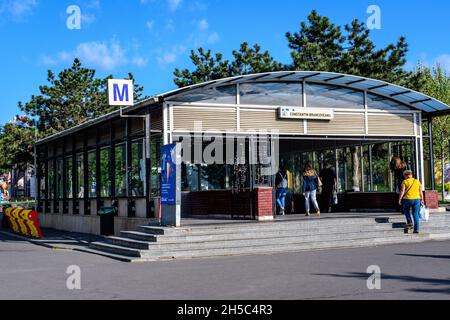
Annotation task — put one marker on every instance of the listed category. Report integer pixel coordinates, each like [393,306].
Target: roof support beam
[400,93]
[286,75]
[355,81]
[420,101]
[334,78]
[310,76]
[378,87]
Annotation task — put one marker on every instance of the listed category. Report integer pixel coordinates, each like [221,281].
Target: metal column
[430,135]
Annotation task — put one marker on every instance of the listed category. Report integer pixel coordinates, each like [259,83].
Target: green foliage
[209,67]
[16,145]
[319,45]
[70,98]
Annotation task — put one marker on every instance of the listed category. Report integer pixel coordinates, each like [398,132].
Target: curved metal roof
[403,95]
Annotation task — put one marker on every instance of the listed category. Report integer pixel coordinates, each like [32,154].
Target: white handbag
[424,213]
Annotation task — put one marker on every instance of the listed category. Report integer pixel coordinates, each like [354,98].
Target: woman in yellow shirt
[411,197]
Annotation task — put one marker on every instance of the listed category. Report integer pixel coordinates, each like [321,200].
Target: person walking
[311,182]
[281,182]
[411,198]
[329,181]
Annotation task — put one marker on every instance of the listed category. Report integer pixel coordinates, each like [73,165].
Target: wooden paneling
[212,119]
[391,124]
[268,120]
[343,123]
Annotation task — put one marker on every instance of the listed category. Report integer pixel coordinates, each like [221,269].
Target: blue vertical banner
[168,174]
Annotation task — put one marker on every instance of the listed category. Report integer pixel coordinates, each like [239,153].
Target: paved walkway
[411,271]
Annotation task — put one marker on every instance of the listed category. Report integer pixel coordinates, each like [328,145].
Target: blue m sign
[120,92]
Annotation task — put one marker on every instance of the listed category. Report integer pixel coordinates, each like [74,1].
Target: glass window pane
[80,176]
[190,177]
[212,177]
[105,183]
[156,143]
[271,93]
[51,179]
[137,168]
[69,180]
[42,182]
[327,96]
[92,167]
[225,94]
[380,167]
[59,178]
[381,103]
[120,170]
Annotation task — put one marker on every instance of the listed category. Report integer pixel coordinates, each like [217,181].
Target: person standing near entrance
[398,167]
[328,177]
[411,197]
[281,182]
[311,182]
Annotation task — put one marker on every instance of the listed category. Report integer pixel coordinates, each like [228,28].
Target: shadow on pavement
[440,285]
[53,239]
[423,255]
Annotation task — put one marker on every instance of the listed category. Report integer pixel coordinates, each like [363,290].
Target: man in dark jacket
[329,184]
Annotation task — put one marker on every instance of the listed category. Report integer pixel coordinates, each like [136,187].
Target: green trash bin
[107,215]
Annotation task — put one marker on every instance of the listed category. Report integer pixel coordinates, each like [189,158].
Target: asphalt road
[415,271]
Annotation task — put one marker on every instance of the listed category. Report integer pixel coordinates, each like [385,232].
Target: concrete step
[263,227]
[294,247]
[115,249]
[250,233]
[129,243]
[281,240]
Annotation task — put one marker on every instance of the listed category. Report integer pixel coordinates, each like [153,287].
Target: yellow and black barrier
[25,222]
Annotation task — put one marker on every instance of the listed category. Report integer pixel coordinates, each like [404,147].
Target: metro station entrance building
[247,126]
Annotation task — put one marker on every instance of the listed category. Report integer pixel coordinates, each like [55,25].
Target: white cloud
[444,61]
[150,24]
[18,9]
[97,54]
[203,25]
[213,38]
[170,25]
[170,56]
[174,4]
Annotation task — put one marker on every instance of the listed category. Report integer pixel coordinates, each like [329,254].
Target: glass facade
[137,168]
[92,174]
[105,182]
[59,178]
[80,176]
[327,96]
[69,177]
[272,93]
[120,170]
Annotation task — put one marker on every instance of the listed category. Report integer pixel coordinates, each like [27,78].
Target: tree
[16,144]
[436,83]
[249,60]
[208,67]
[321,46]
[317,46]
[72,97]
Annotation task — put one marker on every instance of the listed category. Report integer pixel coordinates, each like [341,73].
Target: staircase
[153,243]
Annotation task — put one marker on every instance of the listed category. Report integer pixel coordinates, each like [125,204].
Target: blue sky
[152,37]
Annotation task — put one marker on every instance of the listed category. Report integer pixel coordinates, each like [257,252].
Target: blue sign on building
[168,174]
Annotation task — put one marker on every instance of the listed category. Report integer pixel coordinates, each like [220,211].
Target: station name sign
[306,113]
